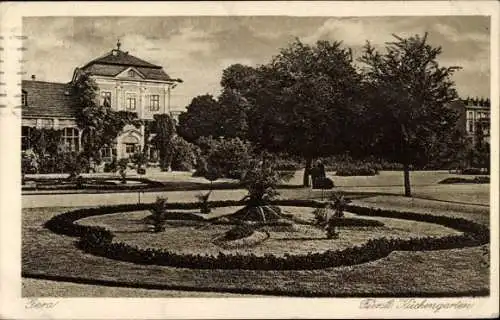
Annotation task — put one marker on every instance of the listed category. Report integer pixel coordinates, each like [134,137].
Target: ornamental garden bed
[101,183]
[192,246]
[201,237]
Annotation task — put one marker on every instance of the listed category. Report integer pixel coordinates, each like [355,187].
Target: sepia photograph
[258,156]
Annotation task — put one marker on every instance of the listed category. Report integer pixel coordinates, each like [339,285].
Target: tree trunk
[406,161]
[406,173]
[307,172]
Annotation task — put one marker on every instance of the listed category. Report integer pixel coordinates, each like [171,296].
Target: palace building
[126,82]
[474,115]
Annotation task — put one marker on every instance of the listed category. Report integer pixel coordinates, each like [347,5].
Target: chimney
[33,77]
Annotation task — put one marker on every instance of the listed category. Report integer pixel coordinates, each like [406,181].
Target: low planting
[453,180]
[357,170]
[473,171]
[98,241]
[336,163]
[89,183]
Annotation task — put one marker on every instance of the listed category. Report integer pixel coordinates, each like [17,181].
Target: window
[154,103]
[70,139]
[470,126]
[131,102]
[109,153]
[25,138]
[470,115]
[106,97]
[24,99]
[130,148]
[131,73]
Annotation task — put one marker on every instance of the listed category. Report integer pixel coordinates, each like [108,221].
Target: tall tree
[305,102]
[408,93]
[164,127]
[201,119]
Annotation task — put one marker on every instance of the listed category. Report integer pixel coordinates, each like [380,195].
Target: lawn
[479,214]
[425,184]
[38,288]
[183,188]
[432,273]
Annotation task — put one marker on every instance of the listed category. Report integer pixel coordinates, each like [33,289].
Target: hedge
[95,184]
[356,171]
[477,180]
[98,241]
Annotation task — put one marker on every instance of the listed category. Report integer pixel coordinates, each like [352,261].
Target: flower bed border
[72,185]
[99,241]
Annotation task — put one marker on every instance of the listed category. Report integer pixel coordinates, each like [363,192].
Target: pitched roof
[118,57]
[48,99]
[117,61]
[114,70]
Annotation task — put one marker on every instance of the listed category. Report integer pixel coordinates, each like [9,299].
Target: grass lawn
[479,214]
[431,273]
[38,288]
[424,185]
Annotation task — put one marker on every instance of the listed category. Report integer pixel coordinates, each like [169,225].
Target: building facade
[126,82]
[474,115]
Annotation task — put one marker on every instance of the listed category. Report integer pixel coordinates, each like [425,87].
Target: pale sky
[197,49]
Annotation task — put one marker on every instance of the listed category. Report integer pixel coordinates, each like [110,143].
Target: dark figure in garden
[319,179]
[321,169]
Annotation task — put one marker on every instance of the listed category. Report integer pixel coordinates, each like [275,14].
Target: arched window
[70,139]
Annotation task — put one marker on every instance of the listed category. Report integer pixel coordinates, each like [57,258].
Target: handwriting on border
[414,304]
[34,303]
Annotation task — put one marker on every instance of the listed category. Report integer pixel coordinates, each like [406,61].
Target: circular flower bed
[102,242]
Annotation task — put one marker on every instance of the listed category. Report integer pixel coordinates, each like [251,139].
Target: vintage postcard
[249,160]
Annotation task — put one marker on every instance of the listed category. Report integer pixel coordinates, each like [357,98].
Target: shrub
[320,216]
[261,180]
[230,157]
[75,164]
[122,169]
[139,159]
[338,203]
[29,162]
[352,170]
[287,164]
[335,163]
[183,154]
[331,228]
[472,171]
[465,180]
[157,214]
[111,166]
